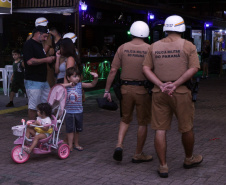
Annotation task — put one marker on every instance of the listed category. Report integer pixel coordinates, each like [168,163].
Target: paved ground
[95,165]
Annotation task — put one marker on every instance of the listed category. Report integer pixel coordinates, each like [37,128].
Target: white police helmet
[174,23]
[71,36]
[139,29]
[41,21]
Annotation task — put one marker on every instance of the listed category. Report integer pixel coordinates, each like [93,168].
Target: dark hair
[16,51]
[68,50]
[45,108]
[71,70]
[41,29]
[55,30]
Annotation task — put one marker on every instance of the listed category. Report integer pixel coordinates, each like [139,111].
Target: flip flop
[79,148]
[27,149]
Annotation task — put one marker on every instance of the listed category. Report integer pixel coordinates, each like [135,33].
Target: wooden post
[77,26]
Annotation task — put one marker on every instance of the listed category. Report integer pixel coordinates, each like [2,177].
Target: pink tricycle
[44,146]
[56,99]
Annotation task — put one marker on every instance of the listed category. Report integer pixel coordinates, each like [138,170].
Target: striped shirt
[74,99]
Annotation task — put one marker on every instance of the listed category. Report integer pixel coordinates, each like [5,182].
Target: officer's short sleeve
[190,50]
[117,61]
[148,59]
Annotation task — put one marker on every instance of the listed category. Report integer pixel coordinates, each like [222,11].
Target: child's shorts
[16,85]
[74,122]
[47,134]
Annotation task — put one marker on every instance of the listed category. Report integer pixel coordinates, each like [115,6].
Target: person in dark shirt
[56,38]
[35,62]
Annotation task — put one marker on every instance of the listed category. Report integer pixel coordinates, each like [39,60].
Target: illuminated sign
[5,6]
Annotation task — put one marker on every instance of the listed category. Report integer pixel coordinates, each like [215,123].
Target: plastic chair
[9,73]
[4,80]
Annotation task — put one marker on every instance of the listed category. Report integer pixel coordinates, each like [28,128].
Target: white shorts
[37,92]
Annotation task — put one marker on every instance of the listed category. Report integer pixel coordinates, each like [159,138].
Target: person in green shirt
[17,78]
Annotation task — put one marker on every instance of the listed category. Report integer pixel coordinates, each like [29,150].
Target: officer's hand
[162,87]
[108,96]
[169,89]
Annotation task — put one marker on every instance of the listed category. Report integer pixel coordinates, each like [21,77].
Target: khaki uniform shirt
[130,57]
[170,58]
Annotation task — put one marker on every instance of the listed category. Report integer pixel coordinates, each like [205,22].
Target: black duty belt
[138,83]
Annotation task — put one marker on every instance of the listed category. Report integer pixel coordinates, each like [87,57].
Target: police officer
[169,63]
[130,57]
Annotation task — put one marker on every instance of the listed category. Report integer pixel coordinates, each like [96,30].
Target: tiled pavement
[95,165]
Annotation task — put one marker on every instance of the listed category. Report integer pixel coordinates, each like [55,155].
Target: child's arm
[71,84]
[93,83]
[37,122]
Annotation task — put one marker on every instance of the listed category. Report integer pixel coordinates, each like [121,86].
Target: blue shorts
[74,122]
[37,92]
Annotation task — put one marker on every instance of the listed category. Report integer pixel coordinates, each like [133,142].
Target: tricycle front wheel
[19,157]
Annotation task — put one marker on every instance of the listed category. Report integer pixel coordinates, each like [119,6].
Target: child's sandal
[27,149]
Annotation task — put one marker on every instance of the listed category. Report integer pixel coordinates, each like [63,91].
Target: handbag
[105,104]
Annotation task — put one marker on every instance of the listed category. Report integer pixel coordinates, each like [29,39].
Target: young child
[74,108]
[44,111]
[17,77]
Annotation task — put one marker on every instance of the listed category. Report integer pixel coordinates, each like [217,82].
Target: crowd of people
[168,64]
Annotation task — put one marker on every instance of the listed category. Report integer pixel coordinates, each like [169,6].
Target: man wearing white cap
[35,61]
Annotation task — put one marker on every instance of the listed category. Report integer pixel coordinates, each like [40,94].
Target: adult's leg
[141,138]
[32,114]
[121,135]
[160,146]
[207,69]
[123,128]
[188,141]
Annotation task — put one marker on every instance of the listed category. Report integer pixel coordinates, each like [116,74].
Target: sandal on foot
[27,149]
[79,148]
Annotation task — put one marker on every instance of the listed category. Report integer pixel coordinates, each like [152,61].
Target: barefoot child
[74,108]
[44,111]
